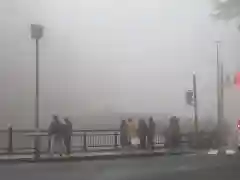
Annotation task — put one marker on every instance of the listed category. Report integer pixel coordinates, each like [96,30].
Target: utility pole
[195,106]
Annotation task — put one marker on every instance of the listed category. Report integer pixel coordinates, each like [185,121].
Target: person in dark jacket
[124,134]
[142,133]
[53,128]
[67,135]
[151,133]
[56,138]
[173,133]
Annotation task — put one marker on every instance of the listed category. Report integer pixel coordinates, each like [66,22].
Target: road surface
[194,167]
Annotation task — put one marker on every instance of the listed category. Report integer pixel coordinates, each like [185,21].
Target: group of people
[139,134]
[60,134]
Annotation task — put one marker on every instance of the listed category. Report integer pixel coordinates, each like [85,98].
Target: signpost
[189,97]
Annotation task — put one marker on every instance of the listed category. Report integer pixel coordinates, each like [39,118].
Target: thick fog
[103,58]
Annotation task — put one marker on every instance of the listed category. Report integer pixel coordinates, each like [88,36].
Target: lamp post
[36,34]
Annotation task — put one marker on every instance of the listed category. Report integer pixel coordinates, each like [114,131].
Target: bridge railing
[16,141]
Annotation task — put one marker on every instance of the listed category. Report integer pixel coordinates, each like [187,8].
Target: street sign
[189,97]
[36,31]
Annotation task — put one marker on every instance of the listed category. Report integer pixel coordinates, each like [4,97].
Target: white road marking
[230,152]
[213,152]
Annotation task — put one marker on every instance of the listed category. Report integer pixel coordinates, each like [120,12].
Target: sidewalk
[93,155]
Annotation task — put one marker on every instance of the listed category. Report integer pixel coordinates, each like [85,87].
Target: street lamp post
[36,34]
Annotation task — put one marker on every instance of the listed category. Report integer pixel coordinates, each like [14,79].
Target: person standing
[142,133]
[67,135]
[173,133]
[124,134]
[151,133]
[132,131]
[56,139]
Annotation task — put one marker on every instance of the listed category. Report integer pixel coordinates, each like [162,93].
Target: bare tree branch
[227,10]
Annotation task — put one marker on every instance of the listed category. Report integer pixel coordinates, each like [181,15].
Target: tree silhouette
[227,9]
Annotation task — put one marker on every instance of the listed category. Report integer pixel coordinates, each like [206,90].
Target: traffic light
[238,124]
[237,79]
[189,97]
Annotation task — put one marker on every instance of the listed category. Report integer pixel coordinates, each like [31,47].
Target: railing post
[85,141]
[115,139]
[36,146]
[10,139]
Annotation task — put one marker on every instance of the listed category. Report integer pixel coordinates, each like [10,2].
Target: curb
[91,158]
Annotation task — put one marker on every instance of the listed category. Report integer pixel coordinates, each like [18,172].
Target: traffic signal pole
[195,104]
[191,99]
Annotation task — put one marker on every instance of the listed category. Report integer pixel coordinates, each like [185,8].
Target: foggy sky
[110,56]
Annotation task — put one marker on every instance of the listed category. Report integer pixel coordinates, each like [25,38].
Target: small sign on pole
[36,31]
[189,97]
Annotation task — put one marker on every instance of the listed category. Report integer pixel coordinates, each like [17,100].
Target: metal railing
[16,141]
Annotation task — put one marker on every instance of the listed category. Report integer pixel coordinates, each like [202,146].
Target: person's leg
[52,146]
[65,141]
[144,142]
[68,145]
[121,140]
[141,142]
[62,146]
[57,145]
[150,142]
[129,140]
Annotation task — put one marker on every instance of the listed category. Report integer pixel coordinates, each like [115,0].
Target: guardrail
[16,141]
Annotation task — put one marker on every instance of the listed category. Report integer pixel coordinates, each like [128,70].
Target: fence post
[85,141]
[10,139]
[115,139]
[36,148]
[37,144]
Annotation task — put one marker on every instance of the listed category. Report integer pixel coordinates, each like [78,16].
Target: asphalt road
[194,167]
